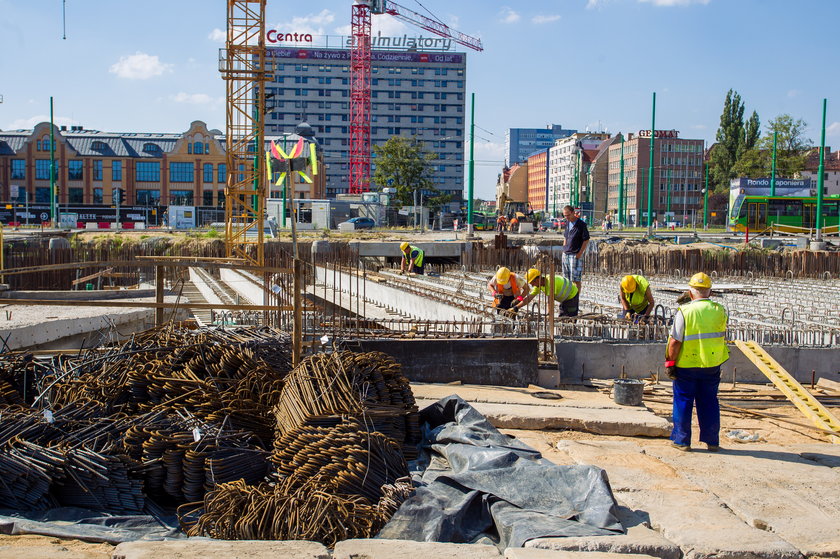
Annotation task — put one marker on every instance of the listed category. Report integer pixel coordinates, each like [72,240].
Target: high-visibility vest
[514,287]
[637,300]
[563,289]
[418,260]
[704,339]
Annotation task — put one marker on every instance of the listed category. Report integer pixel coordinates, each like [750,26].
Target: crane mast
[360,71]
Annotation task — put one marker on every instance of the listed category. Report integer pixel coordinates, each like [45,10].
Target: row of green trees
[741,151]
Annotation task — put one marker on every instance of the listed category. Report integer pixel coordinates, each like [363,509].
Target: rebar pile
[334,483]
[368,386]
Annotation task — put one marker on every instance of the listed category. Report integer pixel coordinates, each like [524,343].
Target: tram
[785,213]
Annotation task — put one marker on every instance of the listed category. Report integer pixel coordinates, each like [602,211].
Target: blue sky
[153,65]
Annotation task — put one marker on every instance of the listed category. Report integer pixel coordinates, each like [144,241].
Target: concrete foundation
[505,362]
[602,360]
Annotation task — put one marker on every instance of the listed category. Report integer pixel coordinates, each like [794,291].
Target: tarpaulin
[474,484]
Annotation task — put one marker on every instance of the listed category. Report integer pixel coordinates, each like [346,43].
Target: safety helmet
[700,280]
[404,246]
[531,275]
[503,276]
[628,284]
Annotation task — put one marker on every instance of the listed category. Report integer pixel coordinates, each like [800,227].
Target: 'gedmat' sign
[660,133]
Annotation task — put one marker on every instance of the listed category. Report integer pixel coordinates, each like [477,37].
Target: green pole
[821,173]
[621,202]
[773,173]
[668,190]
[650,169]
[706,200]
[52,169]
[576,192]
[471,180]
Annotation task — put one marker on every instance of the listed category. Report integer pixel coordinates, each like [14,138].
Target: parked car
[548,225]
[362,222]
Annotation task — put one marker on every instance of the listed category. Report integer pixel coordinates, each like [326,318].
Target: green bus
[791,214]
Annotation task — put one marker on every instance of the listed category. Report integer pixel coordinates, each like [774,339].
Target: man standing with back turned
[577,238]
[696,350]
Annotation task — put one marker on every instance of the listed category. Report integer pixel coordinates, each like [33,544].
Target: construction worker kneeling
[507,288]
[564,292]
[635,297]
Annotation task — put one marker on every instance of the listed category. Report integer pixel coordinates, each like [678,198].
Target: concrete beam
[501,361]
[442,249]
[580,360]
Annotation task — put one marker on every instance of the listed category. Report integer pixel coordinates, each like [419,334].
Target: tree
[734,139]
[404,164]
[791,150]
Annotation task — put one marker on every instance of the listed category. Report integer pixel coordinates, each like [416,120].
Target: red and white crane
[360,70]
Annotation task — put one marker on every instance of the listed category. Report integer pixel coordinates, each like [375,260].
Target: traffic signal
[118,195]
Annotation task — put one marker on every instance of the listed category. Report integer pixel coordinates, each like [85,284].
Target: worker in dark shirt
[577,239]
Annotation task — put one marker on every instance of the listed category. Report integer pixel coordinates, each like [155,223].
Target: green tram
[784,213]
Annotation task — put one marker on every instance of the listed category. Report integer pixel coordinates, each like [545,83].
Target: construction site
[167,395]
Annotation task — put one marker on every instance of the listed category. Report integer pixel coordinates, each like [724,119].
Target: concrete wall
[503,362]
[601,360]
[441,249]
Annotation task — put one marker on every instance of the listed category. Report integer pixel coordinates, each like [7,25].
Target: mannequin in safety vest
[696,349]
[507,288]
[636,297]
[412,259]
[564,292]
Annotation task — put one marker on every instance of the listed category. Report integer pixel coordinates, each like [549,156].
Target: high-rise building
[569,160]
[677,176]
[538,180]
[416,92]
[522,142]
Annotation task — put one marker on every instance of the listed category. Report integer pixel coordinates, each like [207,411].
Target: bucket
[628,391]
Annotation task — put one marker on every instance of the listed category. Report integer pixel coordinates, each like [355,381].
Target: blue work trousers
[696,386]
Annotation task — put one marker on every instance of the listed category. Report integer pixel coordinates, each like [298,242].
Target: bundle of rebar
[363,385]
[333,483]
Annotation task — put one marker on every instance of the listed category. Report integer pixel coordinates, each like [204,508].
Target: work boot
[683,447]
[712,447]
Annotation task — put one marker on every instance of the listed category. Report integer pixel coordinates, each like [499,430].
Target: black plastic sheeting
[89,525]
[475,484]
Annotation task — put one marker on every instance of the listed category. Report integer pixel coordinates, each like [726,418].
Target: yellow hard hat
[404,246]
[531,275]
[503,276]
[628,284]
[700,280]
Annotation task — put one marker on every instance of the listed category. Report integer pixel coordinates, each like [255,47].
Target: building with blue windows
[413,93]
[522,142]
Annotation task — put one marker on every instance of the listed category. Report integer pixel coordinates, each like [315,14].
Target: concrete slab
[639,541]
[403,549]
[654,479]
[203,548]
[795,498]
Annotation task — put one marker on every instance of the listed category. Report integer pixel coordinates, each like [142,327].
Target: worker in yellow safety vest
[696,350]
[412,259]
[564,292]
[635,296]
[506,288]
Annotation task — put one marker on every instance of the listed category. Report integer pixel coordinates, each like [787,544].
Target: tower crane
[360,71]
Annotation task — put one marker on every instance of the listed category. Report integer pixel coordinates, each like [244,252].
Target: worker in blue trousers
[696,349]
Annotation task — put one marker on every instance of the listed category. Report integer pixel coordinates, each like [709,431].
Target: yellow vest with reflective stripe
[704,340]
[563,289]
[637,300]
[418,260]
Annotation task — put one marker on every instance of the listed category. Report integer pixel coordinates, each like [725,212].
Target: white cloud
[391,27]
[139,66]
[192,98]
[507,15]
[833,129]
[670,3]
[217,35]
[311,23]
[699,126]
[29,123]
[591,4]
[544,19]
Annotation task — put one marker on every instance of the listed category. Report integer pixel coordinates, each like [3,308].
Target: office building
[413,93]
[677,176]
[522,142]
[569,161]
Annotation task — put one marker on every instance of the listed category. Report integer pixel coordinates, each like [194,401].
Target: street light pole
[471,181]
[821,172]
[706,200]
[53,201]
[650,170]
[621,202]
